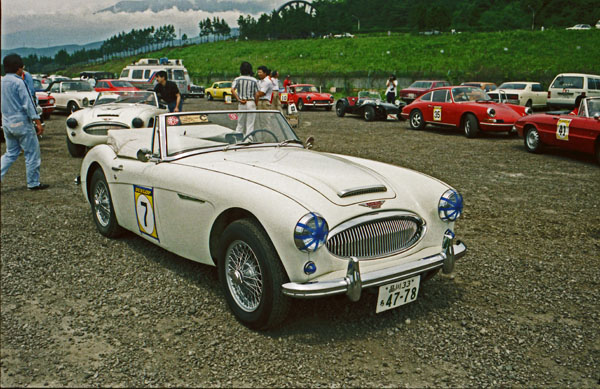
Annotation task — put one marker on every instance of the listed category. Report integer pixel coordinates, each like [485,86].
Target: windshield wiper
[287,141]
[241,144]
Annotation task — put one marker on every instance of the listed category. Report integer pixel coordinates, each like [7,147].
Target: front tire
[76,151]
[340,108]
[532,140]
[470,126]
[251,275]
[72,107]
[416,120]
[209,97]
[103,212]
[300,105]
[369,114]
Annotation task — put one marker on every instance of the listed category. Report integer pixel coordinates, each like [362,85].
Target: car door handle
[117,168]
[429,105]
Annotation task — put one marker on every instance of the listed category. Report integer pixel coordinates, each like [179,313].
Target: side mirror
[161,105]
[309,143]
[143,155]
[597,116]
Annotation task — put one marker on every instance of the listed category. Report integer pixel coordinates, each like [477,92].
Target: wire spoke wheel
[102,204]
[243,275]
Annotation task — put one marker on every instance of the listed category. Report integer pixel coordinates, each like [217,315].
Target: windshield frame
[125,93]
[375,95]
[470,90]
[160,132]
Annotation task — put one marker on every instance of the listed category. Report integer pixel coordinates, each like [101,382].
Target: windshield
[307,88]
[133,97]
[421,84]
[223,130]
[122,84]
[369,95]
[37,84]
[80,86]
[512,85]
[593,107]
[461,94]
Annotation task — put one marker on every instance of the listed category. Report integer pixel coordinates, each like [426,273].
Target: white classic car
[279,220]
[120,110]
[529,94]
[72,95]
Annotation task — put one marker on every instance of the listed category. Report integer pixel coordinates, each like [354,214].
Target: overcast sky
[44,23]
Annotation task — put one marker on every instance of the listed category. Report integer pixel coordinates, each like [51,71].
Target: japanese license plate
[398,293]
[392,116]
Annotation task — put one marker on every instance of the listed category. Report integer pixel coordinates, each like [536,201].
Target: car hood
[116,110]
[315,95]
[299,173]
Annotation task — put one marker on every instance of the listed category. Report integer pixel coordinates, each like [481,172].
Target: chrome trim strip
[348,285]
[495,124]
[361,190]
[190,198]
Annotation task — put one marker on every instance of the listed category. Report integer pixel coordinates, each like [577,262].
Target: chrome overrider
[353,284]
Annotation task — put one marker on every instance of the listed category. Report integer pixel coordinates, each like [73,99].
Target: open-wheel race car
[279,220]
[369,105]
[578,132]
[465,107]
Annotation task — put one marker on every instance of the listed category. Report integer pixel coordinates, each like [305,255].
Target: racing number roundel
[562,129]
[437,113]
[144,209]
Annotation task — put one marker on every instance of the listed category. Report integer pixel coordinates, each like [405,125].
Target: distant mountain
[50,51]
[131,6]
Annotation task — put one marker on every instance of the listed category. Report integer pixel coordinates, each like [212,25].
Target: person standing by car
[18,112]
[168,92]
[390,92]
[286,83]
[275,102]
[244,90]
[265,91]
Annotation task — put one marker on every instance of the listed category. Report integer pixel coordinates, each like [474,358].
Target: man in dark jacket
[168,92]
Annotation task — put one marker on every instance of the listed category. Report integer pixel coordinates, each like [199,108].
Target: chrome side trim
[189,198]
[349,284]
[362,190]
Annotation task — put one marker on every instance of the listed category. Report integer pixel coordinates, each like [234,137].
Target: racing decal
[144,209]
[193,119]
[562,129]
[283,97]
[437,113]
[172,120]
[233,116]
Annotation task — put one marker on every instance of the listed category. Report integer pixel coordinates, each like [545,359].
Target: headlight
[491,112]
[528,111]
[450,206]
[51,101]
[310,232]
[307,97]
[71,122]
[85,102]
[137,123]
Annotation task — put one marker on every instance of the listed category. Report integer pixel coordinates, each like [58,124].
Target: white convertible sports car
[279,220]
[111,111]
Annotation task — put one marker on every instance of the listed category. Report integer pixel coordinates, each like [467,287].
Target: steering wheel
[260,130]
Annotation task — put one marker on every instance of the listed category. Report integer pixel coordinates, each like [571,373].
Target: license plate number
[392,116]
[398,293]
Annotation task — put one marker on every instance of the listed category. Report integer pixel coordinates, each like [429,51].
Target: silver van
[567,86]
[142,74]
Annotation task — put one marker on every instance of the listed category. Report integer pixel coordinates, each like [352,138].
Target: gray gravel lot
[521,309]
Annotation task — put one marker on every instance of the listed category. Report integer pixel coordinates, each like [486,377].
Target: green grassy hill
[496,56]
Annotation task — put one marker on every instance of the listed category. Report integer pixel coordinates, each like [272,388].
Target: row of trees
[216,26]
[336,16]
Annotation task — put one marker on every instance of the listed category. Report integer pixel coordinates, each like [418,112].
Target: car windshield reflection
[225,130]
[131,97]
[593,107]
[463,94]
[369,95]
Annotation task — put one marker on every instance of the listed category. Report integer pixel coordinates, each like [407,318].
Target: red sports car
[305,96]
[46,101]
[113,86]
[579,132]
[419,88]
[465,107]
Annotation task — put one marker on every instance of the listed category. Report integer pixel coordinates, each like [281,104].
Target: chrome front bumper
[354,282]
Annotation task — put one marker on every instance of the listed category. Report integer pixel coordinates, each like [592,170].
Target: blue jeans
[22,136]
[171,105]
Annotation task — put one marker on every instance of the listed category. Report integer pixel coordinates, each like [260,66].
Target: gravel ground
[521,308]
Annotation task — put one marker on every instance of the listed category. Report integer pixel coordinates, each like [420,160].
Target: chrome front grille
[376,235]
[102,128]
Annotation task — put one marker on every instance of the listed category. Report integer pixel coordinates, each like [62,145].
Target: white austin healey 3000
[239,191]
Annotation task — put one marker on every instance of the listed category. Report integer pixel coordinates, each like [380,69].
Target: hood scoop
[361,190]
[111,115]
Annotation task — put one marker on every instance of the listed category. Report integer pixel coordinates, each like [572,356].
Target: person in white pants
[244,90]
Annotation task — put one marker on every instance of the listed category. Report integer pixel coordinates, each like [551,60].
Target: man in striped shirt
[244,90]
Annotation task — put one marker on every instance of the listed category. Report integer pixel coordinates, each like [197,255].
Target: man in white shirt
[244,89]
[264,94]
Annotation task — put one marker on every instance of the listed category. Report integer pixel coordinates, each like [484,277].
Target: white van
[142,74]
[567,86]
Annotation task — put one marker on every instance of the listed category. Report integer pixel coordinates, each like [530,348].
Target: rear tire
[340,108]
[597,154]
[532,140]
[103,211]
[300,105]
[251,275]
[470,126]
[416,120]
[76,151]
[72,107]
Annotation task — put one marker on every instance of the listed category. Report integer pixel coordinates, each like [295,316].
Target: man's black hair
[162,73]
[274,73]
[246,69]
[264,69]
[12,63]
